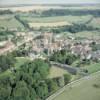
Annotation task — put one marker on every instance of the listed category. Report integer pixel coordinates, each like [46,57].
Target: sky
[3,2]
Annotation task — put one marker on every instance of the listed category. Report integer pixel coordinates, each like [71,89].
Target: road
[70,69]
[76,82]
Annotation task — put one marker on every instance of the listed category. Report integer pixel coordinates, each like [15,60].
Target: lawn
[8,21]
[56,72]
[82,90]
[93,67]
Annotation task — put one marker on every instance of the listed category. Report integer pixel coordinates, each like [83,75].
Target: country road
[72,84]
[70,69]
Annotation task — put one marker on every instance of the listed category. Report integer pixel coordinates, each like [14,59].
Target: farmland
[54,21]
[9,22]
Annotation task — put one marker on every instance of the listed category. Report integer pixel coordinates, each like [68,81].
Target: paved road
[70,85]
[72,70]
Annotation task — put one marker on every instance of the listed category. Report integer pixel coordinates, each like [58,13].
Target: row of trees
[24,23]
[6,62]
[2,12]
[73,12]
[30,82]
[73,28]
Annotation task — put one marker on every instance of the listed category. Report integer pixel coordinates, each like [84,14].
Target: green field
[88,34]
[83,34]
[69,18]
[95,23]
[56,72]
[82,90]
[9,22]
[92,67]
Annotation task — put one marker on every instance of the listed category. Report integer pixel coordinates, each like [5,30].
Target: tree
[67,78]
[6,62]
[52,85]
[61,81]
[21,92]
[42,90]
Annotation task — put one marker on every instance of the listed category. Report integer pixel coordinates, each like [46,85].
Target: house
[96,55]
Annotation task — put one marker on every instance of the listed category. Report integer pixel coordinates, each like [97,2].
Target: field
[56,72]
[9,22]
[82,90]
[88,34]
[92,67]
[68,18]
[95,22]
[53,24]
[54,21]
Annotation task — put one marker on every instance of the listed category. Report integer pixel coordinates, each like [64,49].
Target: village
[47,43]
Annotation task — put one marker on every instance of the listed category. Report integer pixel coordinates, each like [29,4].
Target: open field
[69,18]
[10,22]
[95,22]
[82,90]
[92,68]
[56,72]
[53,24]
[54,21]
[88,34]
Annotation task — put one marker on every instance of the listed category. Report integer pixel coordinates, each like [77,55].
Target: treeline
[73,12]
[2,12]
[6,62]
[23,22]
[73,28]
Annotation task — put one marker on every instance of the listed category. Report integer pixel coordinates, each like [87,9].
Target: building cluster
[45,44]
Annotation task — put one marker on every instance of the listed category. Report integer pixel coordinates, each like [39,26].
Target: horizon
[27,2]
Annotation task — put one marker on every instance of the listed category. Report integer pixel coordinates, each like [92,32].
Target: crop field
[9,22]
[54,21]
[84,89]
[53,24]
[69,18]
[56,72]
[88,34]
